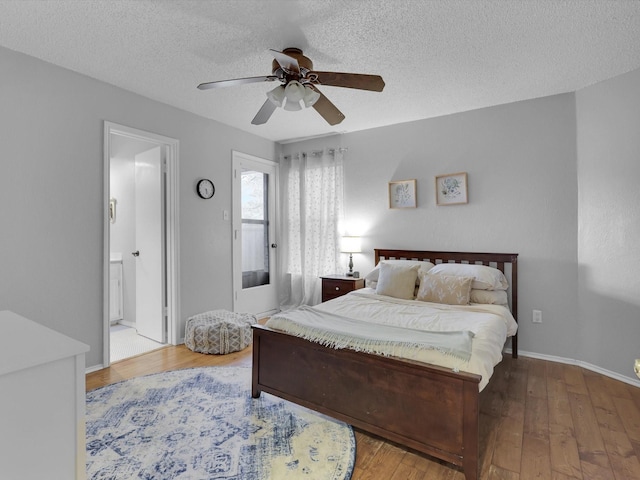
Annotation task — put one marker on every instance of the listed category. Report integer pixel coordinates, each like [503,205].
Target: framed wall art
[402,194]
[451,189]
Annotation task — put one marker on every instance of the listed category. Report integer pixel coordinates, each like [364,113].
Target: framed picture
[402,194]
[451,189]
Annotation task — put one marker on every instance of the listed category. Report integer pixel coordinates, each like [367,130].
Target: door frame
[171,149]
[237,156]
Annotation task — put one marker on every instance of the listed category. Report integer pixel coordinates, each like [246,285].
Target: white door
[150,318]
[254,235]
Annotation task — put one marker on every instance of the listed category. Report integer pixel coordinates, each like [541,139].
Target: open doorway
[140,242]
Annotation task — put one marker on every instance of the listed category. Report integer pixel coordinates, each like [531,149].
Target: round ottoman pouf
[219,331]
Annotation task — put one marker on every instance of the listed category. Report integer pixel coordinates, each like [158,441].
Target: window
[255,228]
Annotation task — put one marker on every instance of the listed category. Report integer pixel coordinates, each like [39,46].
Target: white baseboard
[95,368]
[579,363]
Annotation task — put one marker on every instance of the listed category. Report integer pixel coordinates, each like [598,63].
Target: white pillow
[484,278]
[371,279]
[491,297]
[397,281]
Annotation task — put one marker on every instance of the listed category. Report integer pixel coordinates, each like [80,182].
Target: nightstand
[334,286]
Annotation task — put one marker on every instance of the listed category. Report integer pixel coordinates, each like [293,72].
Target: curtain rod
[317,153]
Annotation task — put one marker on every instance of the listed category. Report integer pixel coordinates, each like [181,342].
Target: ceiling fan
[299,85]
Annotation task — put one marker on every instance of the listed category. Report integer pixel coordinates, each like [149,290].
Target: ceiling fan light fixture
[294,91]
[310,97]
[276,96]
[297,90]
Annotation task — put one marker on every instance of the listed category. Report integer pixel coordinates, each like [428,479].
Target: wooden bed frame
[425,407]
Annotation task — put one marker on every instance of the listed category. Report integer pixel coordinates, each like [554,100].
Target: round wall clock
[205,188]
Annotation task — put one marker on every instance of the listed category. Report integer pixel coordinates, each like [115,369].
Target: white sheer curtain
[311,198]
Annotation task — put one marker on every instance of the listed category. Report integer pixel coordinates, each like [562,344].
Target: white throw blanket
[490,325]
[336,331]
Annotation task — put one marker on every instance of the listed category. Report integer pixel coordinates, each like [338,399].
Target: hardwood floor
[538,419]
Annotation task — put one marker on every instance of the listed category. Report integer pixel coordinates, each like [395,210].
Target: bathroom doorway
[141,251]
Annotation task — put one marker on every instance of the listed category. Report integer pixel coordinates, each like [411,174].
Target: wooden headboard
[507,263]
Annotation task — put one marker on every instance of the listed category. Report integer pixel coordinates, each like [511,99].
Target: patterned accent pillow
[397,281]
[449,289]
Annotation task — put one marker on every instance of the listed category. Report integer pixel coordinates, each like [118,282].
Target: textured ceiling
[436,57]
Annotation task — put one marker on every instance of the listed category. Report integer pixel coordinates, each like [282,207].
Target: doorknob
[136,253]
[274,245]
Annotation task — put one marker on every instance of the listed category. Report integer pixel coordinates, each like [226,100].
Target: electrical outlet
[537,316]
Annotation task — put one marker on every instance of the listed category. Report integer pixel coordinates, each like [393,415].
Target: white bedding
[490,324]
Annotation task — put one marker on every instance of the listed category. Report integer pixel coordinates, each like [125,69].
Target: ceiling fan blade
[327,110]
[349,80]
[237,81]
[264,114]
[289,64]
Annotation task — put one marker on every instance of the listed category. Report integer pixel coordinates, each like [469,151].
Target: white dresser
[42,402]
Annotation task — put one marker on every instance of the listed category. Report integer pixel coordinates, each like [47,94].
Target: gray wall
[521,164]
[556,186]
[51,195]
[608,119]
[553,179]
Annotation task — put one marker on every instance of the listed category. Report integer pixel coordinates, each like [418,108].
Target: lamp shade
[310,97]
[276,96]
[292,106]
[294,91]
[351,245]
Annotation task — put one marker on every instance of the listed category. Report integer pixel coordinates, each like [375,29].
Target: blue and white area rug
[202,423]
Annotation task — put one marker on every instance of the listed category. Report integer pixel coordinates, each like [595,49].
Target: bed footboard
[427,408]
